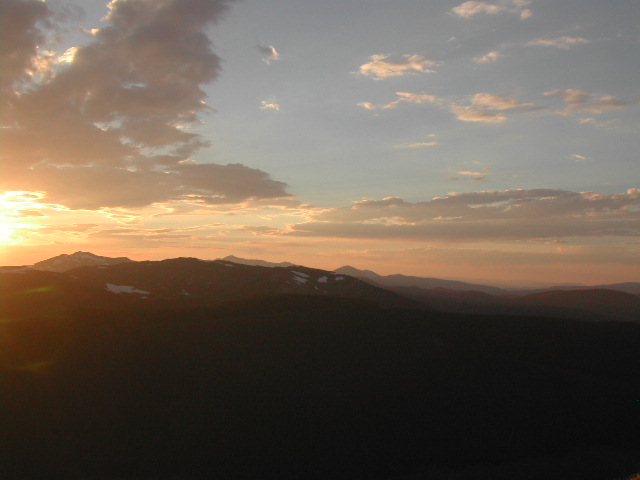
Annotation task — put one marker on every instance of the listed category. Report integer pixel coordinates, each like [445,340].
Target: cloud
[477,176]
[367,105]
[473,8]
[486,108]
[609,124]
[490,57]
[110,125]
[405,97]
[420,145]
[482,216]
[24,28]
[559,42]
[379,68]
[268,52]
[577,101]
[471,113]
[579,158]
[94,187]
[496,102]
[269,105]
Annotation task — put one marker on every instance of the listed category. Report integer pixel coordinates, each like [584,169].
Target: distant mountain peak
[389,281]
[356,272]
[64,262]
[256,262]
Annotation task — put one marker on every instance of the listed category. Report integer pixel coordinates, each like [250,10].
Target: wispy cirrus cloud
[430,143]
[420,144]
[484,107]
[472,8]
[563,42]
[579,158]
[380,68]
[404,97]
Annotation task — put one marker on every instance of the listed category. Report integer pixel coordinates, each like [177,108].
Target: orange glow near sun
[12,206]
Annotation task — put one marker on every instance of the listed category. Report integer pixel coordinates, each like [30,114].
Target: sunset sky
[491,141]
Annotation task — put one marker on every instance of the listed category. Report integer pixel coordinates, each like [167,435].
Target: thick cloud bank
[108,123]
[483,216]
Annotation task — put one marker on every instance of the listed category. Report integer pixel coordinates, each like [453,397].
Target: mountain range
[195,282]
[191,369]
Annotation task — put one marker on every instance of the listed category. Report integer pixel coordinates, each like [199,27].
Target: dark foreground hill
[317,387]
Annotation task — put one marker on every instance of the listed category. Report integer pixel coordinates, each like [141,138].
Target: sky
[491,141]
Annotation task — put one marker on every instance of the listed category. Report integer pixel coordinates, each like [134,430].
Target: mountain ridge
[64,262]
[196,282]
[399,280]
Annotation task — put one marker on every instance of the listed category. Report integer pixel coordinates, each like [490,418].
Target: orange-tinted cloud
[380,68]
[563,42]
[472,8]
[487,108]
[490,57]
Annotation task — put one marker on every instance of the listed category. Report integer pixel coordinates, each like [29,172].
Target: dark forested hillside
[314,387]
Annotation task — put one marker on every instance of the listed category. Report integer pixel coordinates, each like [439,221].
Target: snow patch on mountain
[124,289]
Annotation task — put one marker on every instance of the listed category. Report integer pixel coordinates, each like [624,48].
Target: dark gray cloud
[22,30]
[93,187]
[109,126]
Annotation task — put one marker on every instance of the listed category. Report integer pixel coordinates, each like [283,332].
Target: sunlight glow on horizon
[167,128]
[16,208]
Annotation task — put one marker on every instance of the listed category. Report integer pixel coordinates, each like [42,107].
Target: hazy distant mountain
[64,262]
[256,263]
[627,287]
[586,304]
[420,282]
[605,304]
[434,283]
